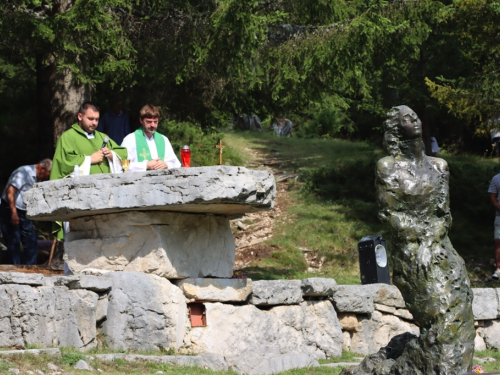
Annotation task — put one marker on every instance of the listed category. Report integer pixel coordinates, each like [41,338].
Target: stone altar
[171,223]
[413,194]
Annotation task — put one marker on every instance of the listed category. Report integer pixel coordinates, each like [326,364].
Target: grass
[331,205]
[490,366]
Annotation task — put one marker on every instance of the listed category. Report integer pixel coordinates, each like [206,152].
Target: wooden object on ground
[29,269]
[52,250]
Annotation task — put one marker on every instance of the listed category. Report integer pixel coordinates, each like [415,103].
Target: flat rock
[318,287]
[82,365]
[49,351]
[94,283]
[221,190]
[167,244]
[270,364]
[211,361]
[20,278]
[490,333]
[216,290]
[404,313]
[485,305]
[145,312]
[276,292]
[384,308]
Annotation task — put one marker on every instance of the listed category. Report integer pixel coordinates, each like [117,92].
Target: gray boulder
[270,364]
[145,312]
[311,328]
[485,305]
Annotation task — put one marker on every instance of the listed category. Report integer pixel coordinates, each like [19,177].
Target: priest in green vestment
[148,149]
[83,146]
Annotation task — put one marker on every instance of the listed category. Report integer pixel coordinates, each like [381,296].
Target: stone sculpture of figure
[412,191]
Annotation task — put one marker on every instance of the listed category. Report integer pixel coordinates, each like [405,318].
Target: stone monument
[412,191]
[171,223]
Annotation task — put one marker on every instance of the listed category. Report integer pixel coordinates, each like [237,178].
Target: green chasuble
[71,149]
[142,147]
[73,146]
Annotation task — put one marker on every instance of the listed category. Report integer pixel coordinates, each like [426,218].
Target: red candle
[186,156]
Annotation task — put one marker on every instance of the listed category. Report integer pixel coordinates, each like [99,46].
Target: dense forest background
[333,67]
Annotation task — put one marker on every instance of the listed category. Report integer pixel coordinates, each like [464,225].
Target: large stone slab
[167,244]
[219,190]
[318,287]
[216,290]
[47,316]
[145,312]
[310,328]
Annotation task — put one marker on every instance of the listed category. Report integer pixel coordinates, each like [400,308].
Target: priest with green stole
[82,150]
[148,149]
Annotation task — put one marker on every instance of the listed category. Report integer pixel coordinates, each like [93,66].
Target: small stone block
[485,305]
[216,290]
[384,308]
[353,298]
[403,313]
[94,283]
[276,292]
[318,286]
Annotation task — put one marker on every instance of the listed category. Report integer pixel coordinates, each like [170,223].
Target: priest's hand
[107,152]
[97,157]
[156,164]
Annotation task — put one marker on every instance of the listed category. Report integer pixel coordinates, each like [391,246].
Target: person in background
[115,123]
[16,227]
[148,149]
[494,191]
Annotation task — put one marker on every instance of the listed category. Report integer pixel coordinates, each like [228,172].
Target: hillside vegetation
[330,205]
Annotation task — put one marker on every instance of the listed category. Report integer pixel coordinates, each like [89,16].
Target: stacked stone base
[250,326]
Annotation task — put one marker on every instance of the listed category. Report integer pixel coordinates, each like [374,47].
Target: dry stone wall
[258,322]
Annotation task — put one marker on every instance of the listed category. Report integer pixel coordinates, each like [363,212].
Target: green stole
[142,147]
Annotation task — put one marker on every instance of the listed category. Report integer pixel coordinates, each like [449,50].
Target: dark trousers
[15,235]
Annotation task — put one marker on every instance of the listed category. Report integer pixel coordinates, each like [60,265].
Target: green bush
[327,123]
[203,152]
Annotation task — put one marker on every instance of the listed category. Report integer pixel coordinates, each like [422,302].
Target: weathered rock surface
[47,316]
[167,244]
[216,290]
[485,304]
[145,312]
[311,327]
[270,364]
[375,330]
[21,278]
[276,292]
[318,286]
[218,190]
[490,333]
[353,298]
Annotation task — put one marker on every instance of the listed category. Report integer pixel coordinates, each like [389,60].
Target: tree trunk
[59,98]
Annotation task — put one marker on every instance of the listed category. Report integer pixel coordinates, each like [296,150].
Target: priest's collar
[89,135]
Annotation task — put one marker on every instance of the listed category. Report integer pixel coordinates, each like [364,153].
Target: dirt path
[252,230]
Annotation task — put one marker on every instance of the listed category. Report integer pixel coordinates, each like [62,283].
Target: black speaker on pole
[373,264]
